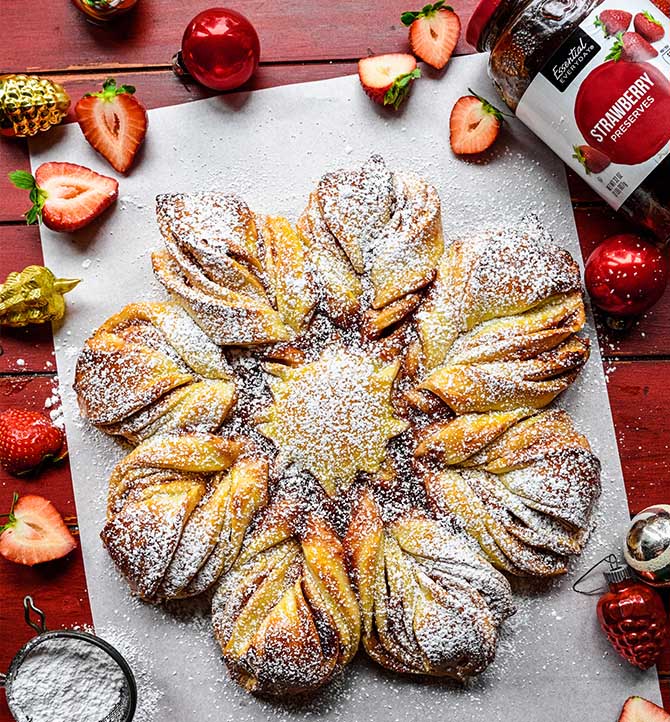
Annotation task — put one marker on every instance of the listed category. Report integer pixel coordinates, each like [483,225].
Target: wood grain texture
[289,31]
[137,50]
[58,588]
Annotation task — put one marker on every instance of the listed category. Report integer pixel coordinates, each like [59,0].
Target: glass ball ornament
[220,49]
[647,545]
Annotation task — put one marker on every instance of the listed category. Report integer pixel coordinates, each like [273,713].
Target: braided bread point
[497,328]
[375,233]
[245,279]
[150,370]
[429,604]
[522,483]
[285,615]
[177,511]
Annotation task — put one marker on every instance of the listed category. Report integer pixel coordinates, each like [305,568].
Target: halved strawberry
[649,27]
[35,532]
[474,125]
[28,439]
[631,48]
[613,21]
[66,196]
[638,709]
[387,78]
[593,160]
[114,122]
[433,33]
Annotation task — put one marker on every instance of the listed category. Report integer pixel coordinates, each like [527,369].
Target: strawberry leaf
[651,18]
[489,107]
[579,157]
[38,196]
[601,26]
[397,93]
[11,519]
[617,49]
[427,11]
[110,90]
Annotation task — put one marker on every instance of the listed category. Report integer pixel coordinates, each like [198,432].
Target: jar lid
[479,20]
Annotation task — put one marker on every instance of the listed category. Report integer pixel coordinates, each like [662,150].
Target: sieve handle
[29,607]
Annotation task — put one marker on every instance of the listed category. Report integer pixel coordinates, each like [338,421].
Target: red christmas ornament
[633,617]
[625,275]
[220,49]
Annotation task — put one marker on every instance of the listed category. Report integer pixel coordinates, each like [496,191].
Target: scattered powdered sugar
[69,680]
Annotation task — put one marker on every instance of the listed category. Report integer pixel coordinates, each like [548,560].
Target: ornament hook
[611,559]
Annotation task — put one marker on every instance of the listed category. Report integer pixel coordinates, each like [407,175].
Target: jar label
[602,101]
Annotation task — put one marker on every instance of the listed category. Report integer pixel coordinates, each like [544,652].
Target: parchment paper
[271,146]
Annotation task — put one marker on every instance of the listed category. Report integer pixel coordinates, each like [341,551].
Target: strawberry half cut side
[638,709]
[387,79]
[114,122]
[433,33]
[474,124]
[65,196]
[35,532]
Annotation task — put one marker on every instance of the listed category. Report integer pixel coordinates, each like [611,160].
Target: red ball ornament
[633,617]
[220,49]
[625,275]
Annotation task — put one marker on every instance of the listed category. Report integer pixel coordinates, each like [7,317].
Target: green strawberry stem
[38,196]
[489,107]
[579,157]
[110,91]
[397,93]
[11,521]
[427,11]
[617,48]
[651,18]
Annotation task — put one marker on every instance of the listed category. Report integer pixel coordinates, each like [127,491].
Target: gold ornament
[29,104]
[101,11]
[34,295]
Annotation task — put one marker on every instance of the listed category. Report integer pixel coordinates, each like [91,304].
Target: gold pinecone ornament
[29,104]
[33,295]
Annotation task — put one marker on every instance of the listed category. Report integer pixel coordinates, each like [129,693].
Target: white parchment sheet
[271,146]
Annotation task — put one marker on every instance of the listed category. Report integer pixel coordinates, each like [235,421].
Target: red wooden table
[301,40]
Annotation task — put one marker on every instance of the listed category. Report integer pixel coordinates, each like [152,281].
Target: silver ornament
[647,545]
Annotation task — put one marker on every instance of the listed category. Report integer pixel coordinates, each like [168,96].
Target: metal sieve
[123,710]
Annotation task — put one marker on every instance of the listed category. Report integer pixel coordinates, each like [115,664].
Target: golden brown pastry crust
[365,356]
[178,509]
[285,615]
[429,605]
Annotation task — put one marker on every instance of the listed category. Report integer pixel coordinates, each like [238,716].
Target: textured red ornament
[625,275]
[220,49]
[633,617]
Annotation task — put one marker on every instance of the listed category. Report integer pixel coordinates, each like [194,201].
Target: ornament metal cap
[618,573]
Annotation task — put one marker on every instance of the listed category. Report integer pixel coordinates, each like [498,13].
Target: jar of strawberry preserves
[590,78]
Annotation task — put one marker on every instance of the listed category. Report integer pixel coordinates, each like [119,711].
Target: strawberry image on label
[622,110]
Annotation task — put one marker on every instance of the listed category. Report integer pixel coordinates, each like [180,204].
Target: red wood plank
[59,588]
[293,30]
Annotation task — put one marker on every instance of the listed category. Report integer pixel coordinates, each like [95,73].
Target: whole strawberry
[649,27]
[612,22]
[593,160]
[631,48]
[29,439]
